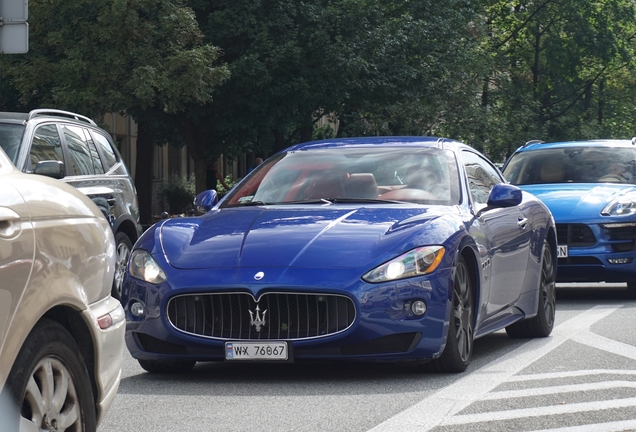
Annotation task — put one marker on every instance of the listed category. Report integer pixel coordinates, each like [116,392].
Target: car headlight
[417,262]
[143,266]
[624,205]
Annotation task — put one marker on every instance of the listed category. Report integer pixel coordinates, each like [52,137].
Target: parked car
[589,187]
[381,248]
[41,140]
[61,332]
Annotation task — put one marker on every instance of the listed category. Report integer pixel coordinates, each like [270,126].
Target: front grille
[279,315]
[575,235]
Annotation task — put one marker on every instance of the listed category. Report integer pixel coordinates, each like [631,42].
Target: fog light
[418,308]
[619,260]
[137,309]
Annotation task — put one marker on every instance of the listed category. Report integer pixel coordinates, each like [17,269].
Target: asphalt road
[582,378]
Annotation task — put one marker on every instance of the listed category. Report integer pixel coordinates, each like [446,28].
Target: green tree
[378,66]
[561,70]
[143,57]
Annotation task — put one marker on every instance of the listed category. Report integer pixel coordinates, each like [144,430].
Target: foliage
[177,192]
[229,180]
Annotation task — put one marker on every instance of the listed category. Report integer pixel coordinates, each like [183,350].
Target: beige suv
[61,331]
[72,148]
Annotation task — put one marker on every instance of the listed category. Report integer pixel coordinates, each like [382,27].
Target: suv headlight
[624,205]
[417,262]
[143,266]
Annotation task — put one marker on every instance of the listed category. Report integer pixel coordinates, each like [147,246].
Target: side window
[46,145]
[482,176]
[78,149]
[97,161]
[107,151]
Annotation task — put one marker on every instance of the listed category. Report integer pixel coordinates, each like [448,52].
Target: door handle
[523,223]
[9,223]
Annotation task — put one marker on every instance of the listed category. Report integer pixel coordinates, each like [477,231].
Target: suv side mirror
[50,168]
[204,202]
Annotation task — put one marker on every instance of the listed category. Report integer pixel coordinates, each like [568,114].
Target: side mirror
[504,195]
[204,202]
[50,168]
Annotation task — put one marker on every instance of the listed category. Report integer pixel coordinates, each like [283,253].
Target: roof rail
[533,142]
[60,113]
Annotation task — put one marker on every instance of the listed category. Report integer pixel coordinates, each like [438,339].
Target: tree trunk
[196,139]
[143,172]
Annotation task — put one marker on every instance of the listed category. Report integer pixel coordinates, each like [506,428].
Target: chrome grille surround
[287,316]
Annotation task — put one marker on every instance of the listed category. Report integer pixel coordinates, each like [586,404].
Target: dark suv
[72,148]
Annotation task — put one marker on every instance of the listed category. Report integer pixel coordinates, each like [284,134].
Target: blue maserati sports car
[366,249]
[590,187]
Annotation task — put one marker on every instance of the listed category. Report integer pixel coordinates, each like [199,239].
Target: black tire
[167,367]
[459,343]
[124,247]
[631,290]
[542,323]
[48,369]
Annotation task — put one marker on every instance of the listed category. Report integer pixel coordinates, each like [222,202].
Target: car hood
[577,201]
[299,237]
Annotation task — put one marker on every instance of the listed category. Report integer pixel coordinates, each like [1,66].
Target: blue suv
[590,188]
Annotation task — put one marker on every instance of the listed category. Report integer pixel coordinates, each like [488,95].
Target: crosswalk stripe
[539,411]
[541,391]
[432,411]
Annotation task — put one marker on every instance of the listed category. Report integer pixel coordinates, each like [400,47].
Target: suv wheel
[49,382]
[124,246]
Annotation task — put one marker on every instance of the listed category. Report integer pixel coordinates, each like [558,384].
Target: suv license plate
[256,351]
[562,251]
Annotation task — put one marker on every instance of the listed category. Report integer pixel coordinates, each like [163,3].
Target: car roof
[427,141]
[540,145]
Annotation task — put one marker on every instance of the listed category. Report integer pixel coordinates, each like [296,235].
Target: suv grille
[284,315]
[622,238]
[575,235]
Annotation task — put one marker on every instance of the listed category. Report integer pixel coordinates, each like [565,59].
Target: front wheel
[459,342]
[542,323]
[124,247]
[50,384]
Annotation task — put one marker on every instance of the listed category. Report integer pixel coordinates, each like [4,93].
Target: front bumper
[383,329]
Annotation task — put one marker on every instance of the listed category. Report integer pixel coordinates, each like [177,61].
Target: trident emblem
[259,321]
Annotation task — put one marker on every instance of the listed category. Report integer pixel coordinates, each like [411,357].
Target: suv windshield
[10,137]
[572,165]
[361,174]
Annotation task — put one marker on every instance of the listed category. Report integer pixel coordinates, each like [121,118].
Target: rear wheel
[124,246]
[459,342]
[167,366]
[50,383]
[542,323]
[631,290]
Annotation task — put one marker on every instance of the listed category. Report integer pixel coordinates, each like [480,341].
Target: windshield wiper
[251,203]
[366,200]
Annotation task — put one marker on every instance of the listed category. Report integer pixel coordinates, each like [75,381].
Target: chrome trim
[245,316]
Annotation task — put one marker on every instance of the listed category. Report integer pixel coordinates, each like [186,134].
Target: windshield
[572,165]
[10,137]
[361,174]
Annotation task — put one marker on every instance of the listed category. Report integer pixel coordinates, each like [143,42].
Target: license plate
[562,251]
[256,351]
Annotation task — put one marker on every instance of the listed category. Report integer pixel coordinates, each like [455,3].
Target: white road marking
[570,374]
[625,425]
[444,404]
[539,411]
[542,391]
